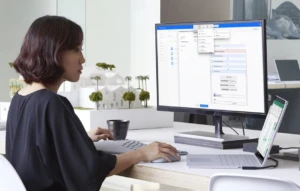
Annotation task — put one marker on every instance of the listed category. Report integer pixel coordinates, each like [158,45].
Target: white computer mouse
[162,160]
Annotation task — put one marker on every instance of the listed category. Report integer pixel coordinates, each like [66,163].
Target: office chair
[230,182]
[9,179]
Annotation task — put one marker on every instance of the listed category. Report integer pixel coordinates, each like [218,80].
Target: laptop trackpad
[204,160]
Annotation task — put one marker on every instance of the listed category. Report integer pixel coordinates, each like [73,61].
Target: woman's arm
[125,161]
[148,153]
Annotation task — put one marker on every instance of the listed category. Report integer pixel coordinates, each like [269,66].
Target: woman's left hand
[98,133]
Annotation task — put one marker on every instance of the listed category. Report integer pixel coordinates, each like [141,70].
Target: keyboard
[238,160]
[122,146]
[222,161]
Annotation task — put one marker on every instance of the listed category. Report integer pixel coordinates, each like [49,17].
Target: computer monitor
[213,68]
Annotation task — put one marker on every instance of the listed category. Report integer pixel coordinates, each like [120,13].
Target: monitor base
[207,139]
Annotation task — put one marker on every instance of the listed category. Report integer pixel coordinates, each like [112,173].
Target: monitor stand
[215,140]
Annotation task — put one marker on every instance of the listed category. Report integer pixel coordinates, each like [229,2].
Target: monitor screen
[212,66]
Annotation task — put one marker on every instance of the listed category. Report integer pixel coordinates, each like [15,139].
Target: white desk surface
[178,174]
[285,170]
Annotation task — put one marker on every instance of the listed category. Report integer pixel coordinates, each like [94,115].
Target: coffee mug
[118,128]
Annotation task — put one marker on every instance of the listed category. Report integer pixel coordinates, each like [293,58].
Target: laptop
[288,70]
[257,159]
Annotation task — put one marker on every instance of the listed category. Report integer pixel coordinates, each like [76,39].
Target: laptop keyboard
[238,160]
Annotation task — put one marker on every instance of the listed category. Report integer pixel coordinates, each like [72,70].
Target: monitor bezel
[215,111]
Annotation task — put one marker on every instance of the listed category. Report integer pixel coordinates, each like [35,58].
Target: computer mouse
[162,160]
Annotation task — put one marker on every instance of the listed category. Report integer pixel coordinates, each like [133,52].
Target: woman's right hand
[157,150]
[146,153]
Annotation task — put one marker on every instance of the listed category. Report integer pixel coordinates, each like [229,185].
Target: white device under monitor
[257,159]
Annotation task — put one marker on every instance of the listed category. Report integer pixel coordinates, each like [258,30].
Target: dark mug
[118,128]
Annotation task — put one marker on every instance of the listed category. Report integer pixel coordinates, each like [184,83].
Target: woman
[45,141]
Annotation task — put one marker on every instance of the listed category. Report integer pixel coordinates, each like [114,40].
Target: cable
[243,127]
[230,127]
[263,167]
[282,148]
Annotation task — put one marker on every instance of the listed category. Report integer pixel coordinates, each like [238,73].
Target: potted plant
[128,96]
[97,95]
[144,97]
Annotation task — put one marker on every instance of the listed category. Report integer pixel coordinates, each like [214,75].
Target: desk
[179,175]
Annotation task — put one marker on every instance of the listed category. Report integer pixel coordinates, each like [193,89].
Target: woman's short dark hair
[40,56]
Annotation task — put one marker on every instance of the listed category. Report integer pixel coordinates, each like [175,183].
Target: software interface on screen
[270,128]
[211,66]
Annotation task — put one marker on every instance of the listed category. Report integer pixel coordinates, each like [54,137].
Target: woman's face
[72,61]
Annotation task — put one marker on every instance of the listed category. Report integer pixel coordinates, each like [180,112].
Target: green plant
[139,78]
[128,79]
[105,66]
[142,80]
[111,66]
[102,65]
[96,97]
[129,96]
[144,96]
[97,78]
[15,85]
[10,64]
[145,78]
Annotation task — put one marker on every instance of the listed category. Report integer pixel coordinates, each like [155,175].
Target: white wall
[75,11]
[143,15]
[108,33]
[15,19]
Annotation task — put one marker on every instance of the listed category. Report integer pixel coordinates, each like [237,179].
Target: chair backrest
[235,182]
[9,179]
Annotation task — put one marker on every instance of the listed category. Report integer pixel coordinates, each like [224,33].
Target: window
[121,103]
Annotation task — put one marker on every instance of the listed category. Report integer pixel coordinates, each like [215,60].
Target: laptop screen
[270,127]
[288,70]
